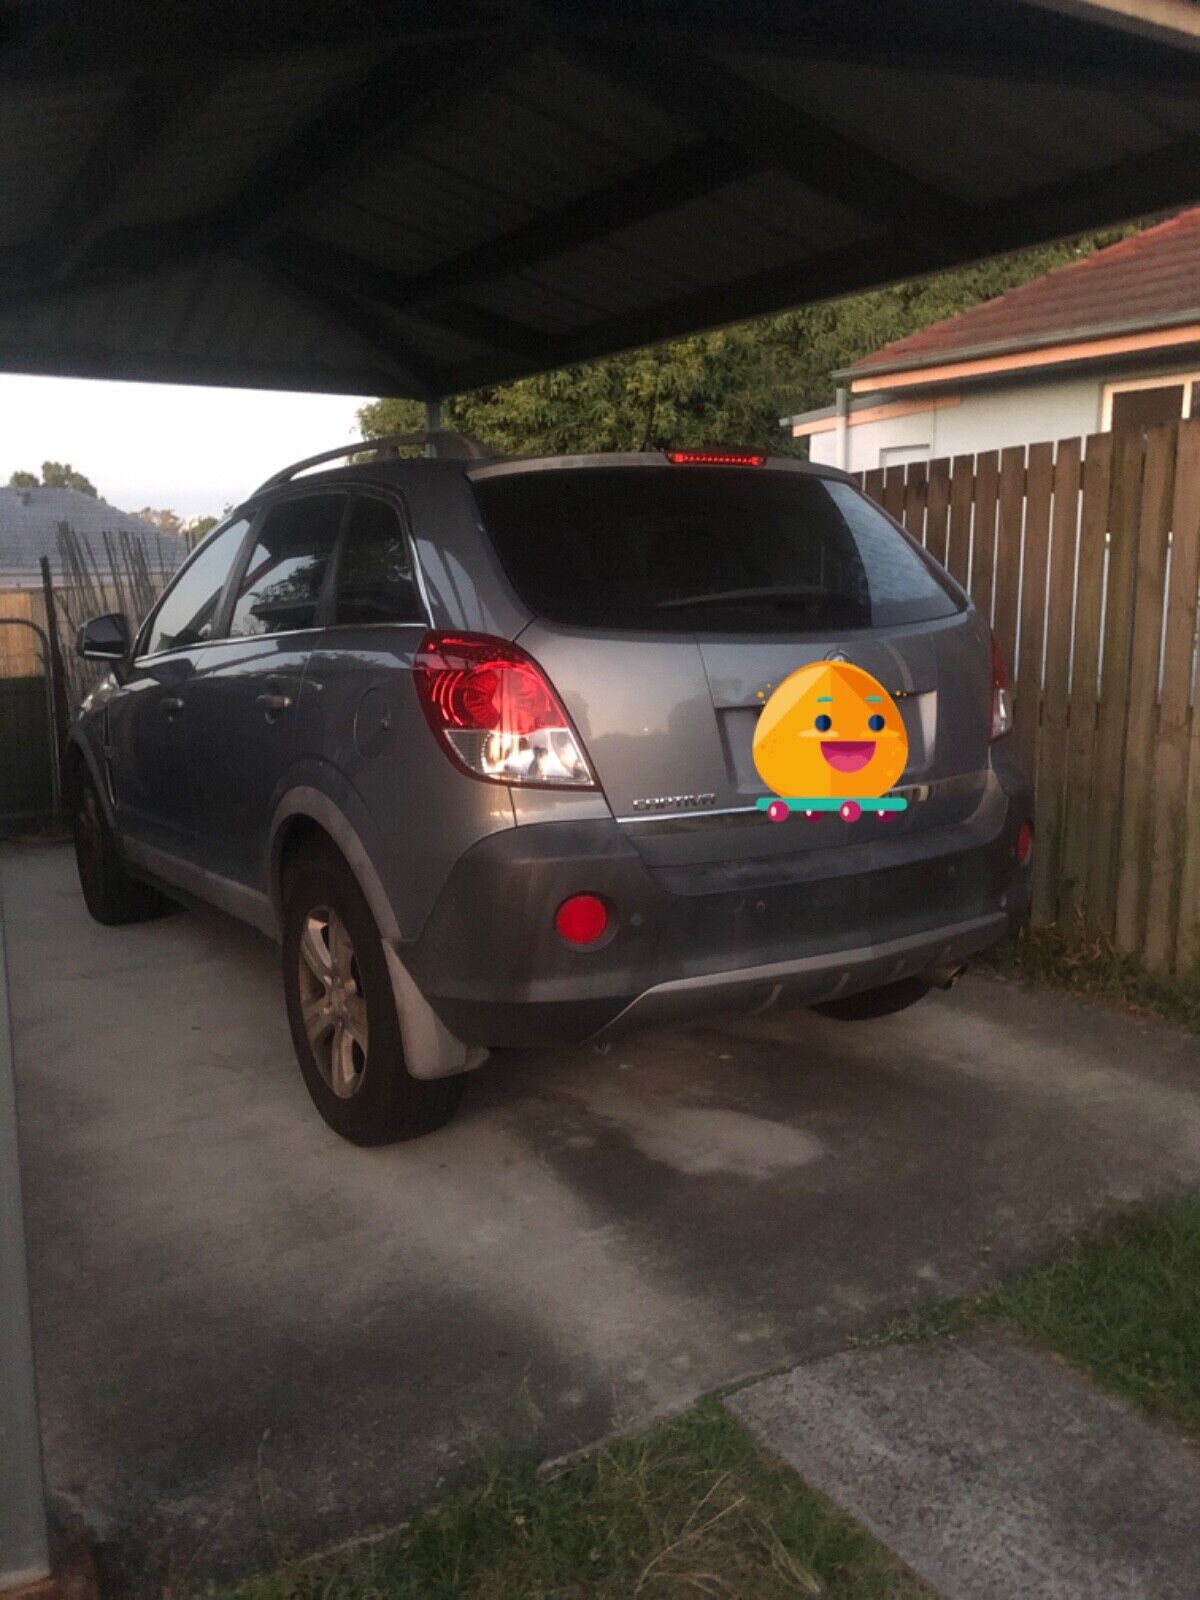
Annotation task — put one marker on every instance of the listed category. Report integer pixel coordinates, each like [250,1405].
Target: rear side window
[281,586]
[375,577]
[705,550]
[186,614]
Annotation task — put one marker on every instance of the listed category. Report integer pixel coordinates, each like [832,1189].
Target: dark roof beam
[375,110]
[661,186]
[783,136]
[408,371]
[1136,187]
[145,118]
[399,98]
[321,263]
[77,37]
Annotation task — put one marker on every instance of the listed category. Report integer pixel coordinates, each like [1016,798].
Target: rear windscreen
[700,550]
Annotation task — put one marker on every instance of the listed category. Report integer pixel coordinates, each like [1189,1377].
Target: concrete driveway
[255,1340]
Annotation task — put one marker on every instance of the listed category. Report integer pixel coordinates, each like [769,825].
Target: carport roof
[414,200]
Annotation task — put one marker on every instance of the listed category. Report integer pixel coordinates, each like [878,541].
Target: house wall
[985,419]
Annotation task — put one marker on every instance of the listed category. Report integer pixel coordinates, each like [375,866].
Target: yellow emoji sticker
[829,738]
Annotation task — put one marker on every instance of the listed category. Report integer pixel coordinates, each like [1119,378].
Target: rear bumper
[727,937]
[807,980]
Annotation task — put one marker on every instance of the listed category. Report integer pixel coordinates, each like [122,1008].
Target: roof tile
[1148,280]
[29,520]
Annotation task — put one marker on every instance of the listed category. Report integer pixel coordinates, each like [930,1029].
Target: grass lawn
[693,1507]
[690,1508]
[1123,1304]
[1092,966]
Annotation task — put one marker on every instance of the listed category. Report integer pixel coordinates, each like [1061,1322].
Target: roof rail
[440,443]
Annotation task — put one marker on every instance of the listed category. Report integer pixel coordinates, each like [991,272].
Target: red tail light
[582,919]
[1002,716]
[1024,844]
[715,458]
[495,713]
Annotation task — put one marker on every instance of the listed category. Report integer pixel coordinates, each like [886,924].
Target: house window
[899,455]
[1145,402]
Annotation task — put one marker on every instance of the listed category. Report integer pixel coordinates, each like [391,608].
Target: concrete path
[991,1470]
[254,1339]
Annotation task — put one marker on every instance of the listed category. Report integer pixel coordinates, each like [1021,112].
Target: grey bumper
[807,980]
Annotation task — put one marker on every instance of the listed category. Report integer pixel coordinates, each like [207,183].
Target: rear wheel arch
[308,815]
[79,763]
[307,819]
[74,770]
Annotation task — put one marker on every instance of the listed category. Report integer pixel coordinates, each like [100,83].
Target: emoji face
[830,731]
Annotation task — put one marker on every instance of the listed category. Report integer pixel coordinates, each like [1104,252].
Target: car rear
[663,598]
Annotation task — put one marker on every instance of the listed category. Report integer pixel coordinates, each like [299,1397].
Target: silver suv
[473,739]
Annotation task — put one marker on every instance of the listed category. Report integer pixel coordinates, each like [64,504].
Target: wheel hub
[332,1001]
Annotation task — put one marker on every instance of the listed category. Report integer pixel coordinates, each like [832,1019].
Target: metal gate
[29,774]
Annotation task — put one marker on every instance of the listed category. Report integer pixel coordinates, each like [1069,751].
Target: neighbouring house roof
[30,518]
[1142,293]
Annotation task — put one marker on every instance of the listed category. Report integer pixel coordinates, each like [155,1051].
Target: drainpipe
[841,434]
[433,422]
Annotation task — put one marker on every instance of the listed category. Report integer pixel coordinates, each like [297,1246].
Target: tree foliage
[55,475]
[161,517]
[727,387]
[198,528]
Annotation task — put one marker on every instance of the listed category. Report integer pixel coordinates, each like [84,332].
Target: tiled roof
[1150,280]
[29,521]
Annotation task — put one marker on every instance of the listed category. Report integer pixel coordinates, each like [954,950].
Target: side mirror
[104,638]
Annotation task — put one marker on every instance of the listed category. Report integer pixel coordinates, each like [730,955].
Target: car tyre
[342,1011]
[872,1003]
[110,894]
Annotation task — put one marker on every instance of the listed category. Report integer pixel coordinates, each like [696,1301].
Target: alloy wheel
[332,1002]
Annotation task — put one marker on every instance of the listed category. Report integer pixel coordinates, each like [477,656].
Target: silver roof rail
[442,444]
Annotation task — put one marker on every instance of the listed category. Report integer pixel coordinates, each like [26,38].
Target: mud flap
[430,1049]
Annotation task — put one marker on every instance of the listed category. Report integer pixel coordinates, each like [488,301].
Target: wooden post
[56,667]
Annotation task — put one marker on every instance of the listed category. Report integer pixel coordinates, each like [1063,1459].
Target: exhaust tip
[945,977]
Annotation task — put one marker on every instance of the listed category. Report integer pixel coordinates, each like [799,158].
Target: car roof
[393,469]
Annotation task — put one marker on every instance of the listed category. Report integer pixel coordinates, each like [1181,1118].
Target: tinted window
[186,613]
[282,583]
[375,577]
[694,549]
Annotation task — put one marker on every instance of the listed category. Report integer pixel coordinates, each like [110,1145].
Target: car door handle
[273,704]
[172,705]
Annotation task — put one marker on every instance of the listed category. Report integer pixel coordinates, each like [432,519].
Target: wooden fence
[1085,555]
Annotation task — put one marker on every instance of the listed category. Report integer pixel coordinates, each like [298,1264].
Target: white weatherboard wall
[986,419]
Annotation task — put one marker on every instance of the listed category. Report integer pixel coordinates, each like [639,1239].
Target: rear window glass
[704,550]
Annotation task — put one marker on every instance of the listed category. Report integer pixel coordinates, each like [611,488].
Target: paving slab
[992,1470]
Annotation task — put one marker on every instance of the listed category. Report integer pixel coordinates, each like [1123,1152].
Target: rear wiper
[793,596]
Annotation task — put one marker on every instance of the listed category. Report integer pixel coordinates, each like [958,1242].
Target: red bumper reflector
[1024,842]
[582,919]
[715,458]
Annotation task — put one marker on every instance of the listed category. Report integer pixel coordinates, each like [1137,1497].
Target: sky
[190,449]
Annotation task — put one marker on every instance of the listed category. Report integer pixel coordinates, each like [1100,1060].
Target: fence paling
[1117,634]
[1083,708]
[1052,735]
[1028,649]
[962,489]
[1168,821]
[1088,559]
[1141,724]
[937,510]
[1007,571]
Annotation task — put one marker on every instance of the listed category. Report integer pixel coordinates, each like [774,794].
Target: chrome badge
[673,802]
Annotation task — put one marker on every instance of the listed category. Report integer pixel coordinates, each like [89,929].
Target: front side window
[281,586]
[705,549]
[375,576]
[185,616]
